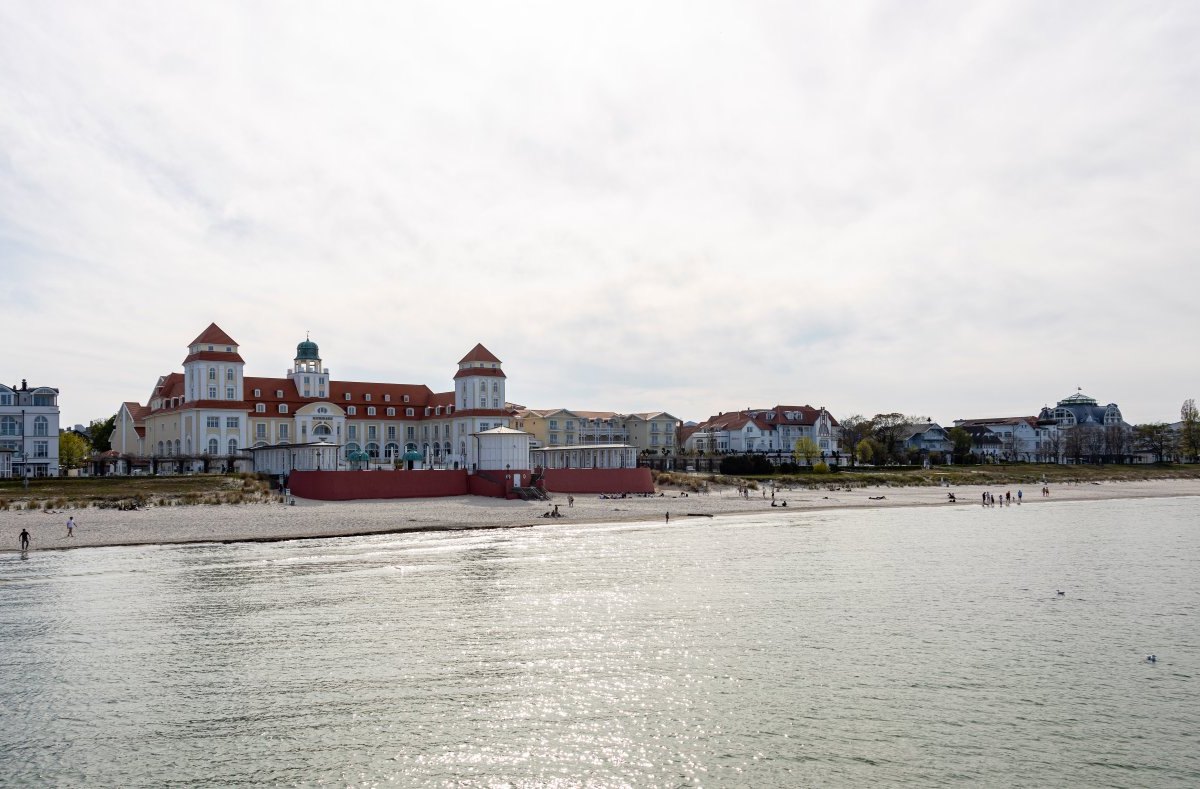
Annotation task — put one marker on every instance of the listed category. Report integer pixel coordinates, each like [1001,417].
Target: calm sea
[919,647]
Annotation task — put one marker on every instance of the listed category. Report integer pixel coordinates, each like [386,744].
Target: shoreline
[307,520]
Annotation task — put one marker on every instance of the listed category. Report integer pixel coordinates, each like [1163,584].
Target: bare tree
[1189,430]
[1054,445]
[1116,442]
[1157,439]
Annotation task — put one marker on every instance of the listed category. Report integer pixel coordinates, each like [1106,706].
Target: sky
[945,209]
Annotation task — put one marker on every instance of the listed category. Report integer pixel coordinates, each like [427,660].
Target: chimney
[24,386]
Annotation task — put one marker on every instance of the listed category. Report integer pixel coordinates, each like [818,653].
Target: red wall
[599,480]
[347,485]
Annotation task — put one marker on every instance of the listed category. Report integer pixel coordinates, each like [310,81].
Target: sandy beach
[313,519]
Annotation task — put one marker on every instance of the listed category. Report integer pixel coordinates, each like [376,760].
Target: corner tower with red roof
[478,400]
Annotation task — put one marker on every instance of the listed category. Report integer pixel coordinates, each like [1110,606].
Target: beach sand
[313,519]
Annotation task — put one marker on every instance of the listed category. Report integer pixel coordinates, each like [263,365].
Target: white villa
[765,430]
[28,431]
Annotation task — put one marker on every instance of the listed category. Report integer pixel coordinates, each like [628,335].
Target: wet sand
[314,519]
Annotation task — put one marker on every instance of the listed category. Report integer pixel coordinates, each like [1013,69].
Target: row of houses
[215,416]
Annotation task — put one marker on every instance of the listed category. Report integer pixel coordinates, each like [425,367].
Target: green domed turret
[307,350]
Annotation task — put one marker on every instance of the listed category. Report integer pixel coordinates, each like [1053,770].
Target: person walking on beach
[668,517]
[1020,495]
[24,540]
[570,500]
[71,526]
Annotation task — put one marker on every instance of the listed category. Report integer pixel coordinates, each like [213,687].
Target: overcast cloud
[952,209]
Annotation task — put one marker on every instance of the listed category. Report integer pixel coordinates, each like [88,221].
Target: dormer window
[370,410]
[279,393]
[346,396]
[367,397]
[391,412]
[409,412]
[260,408]
[283,409]
[449,409]
[387,398]
[210,347]
[351,410]
[438,410]
[406,398]
[228,349]
[258,393]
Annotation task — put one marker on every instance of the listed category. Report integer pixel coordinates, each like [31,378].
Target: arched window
[322,430]
[260,408]
[425,451]
[351,410]
[40,426]
[177,446]
[212,373]
[229,374]
[391,451]
[391,412]
[373,451]
[370,410]
[410,447]
[233,446]
[446,447]
[160,447]
[283,409]
[351,448]
[213,447]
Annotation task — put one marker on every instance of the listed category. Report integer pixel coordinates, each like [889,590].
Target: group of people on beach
[1005,499]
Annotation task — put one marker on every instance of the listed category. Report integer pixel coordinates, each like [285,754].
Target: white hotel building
[28,431]
[212,412]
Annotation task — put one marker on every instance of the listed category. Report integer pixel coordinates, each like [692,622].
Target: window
[260,430]
[373,451]
[352,432]
[387,398]
[483,426]
[213,447]
[213,421]
[406,398]
[391,412]
[322,410]
[554,424]
[41,426]
[409,412]
[229,393]
[322,430]
[411,432]
[229,374]
[8,426]
[391,451]
[554,438]
[260,408]
[41,449]
[232,421]
[258,393]
[212,373]
[438,410]
[283,432]
[391,432]
[350,448]
[279,394]
[346,396]
[367,397]
[371,432]
[351,410]
[370,410]
[233,446]
[5,399]
[212,393]
[283,409]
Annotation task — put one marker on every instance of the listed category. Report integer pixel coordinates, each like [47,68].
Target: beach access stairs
[531,494]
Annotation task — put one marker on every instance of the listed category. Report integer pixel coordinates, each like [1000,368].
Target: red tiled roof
[214,356]
[215,335]
[479,354]
[493,372]
[136,411]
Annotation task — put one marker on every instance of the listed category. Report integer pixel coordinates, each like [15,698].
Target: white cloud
[924,207]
